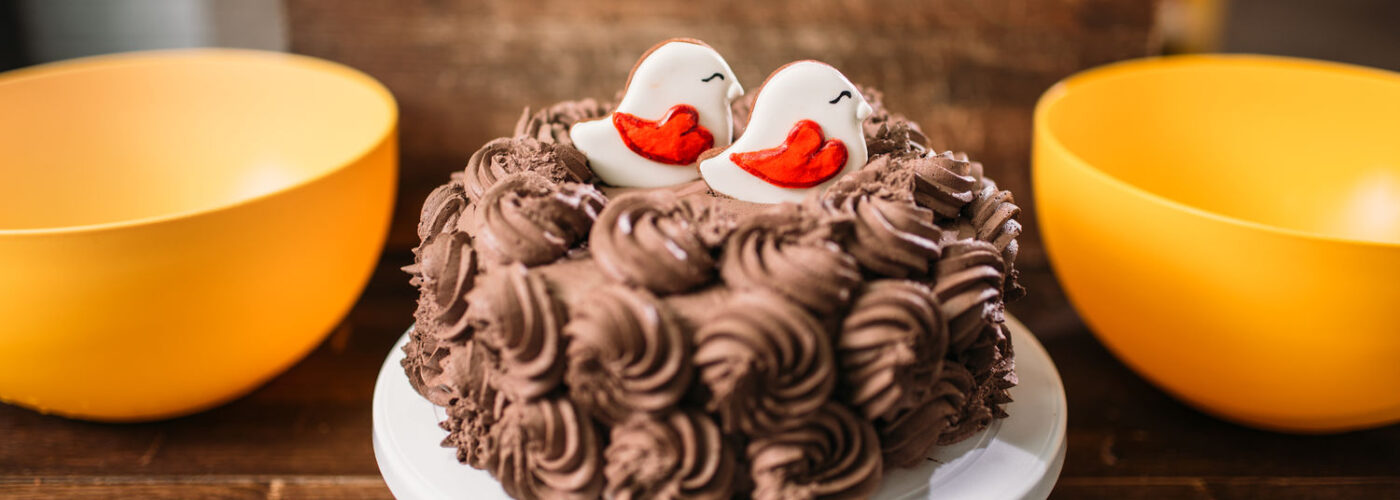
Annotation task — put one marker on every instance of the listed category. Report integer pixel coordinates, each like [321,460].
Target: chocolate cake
[670,342]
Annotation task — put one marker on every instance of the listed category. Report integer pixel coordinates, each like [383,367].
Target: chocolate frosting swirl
[448,371]
[514,315]
[626,354]
[551,125]
[549,450]
[942,183]
[505,156]
[445,272]
[652,240]
[527,218]
[766,362]
[1003,372]
[444,206]
[969,288]
[897,137]
[678,456]
[891,347]
[474,406]
[422,361]
[834,455]
[489,164]
[785,251]
[974,415]
[993,215]
[444,263]
[893,236]
[473,432]
[982,355]
[908,437]
[991,362]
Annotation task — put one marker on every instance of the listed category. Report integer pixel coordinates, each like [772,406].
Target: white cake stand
[1018,457]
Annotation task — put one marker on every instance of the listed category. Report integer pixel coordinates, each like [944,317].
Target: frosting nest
[589,340]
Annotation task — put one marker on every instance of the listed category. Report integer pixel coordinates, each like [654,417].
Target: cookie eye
[712,77]
[844,93]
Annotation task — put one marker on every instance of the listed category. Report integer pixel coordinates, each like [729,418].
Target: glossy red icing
[676,139]
[803,159]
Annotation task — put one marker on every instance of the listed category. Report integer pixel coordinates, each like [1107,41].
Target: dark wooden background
[968,70]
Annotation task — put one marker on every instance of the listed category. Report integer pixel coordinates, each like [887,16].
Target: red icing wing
[677,139]
[803,159]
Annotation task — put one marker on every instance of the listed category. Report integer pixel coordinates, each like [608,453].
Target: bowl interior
[1303,146]
[139,136]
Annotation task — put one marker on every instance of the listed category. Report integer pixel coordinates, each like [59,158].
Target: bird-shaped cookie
[805,131]
[675,106]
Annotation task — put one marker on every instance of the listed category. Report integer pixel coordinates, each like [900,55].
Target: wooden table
[307,433]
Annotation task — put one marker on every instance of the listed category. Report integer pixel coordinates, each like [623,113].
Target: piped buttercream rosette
[626,355]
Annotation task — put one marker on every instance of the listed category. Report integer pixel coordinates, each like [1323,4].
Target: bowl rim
[1056,93]
[142,57]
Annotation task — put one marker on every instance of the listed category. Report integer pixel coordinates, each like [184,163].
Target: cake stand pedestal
[1018,457]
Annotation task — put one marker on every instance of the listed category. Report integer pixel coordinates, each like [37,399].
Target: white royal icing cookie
[675,107]
[804,133]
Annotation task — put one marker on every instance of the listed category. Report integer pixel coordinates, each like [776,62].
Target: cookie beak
[735,91]
[864,110]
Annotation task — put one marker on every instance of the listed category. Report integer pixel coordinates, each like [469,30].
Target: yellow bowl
[178,227]
[1229,226]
